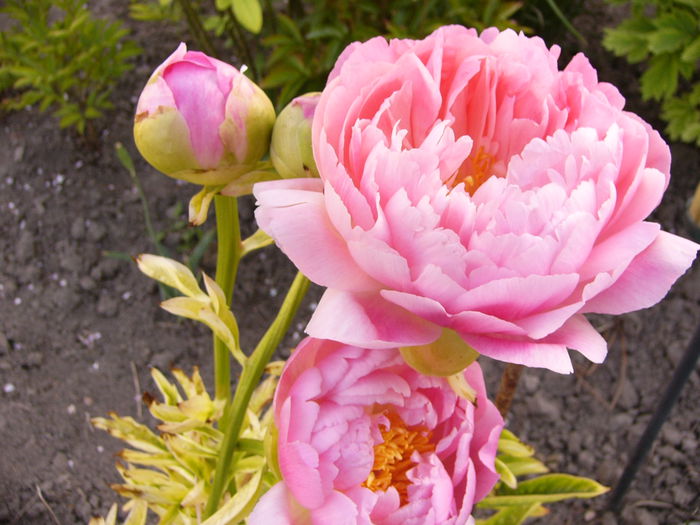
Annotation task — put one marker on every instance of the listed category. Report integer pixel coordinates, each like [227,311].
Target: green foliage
[168,472]
[301,41]
[516,500]
[57,56]
[154,11]
[303,49]
[664,35]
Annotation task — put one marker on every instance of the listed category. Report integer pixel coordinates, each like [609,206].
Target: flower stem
[250,377]
[196,29]
[228,255]
[506,390]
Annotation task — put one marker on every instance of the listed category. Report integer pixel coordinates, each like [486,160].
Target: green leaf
[545,489]
[279,76]
[523,466]
[238,507]
[507,476]
[249,14]
[125,158]
[258,240]
[629,39]
[673,32]
[290,27]
[692,52]
[660,80]
[326,32]
[514,515]
[510,445]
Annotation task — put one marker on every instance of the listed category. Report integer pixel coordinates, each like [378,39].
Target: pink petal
[293,213]
[368,320]
[648,277]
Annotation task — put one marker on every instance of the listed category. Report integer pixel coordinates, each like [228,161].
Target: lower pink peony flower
[468,184]
[365,439]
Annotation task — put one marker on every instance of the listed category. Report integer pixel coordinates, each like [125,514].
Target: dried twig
[506,390]
[48,507]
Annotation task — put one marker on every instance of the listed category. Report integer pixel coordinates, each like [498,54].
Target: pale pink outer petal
[279,507]
[293,213]
[648,277]
[368,320]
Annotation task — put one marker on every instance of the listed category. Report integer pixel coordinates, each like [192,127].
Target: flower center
[474,171]
[392,457]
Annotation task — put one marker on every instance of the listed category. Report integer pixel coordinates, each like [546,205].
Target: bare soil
[79,329]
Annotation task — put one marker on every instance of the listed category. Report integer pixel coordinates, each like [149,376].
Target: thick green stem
[228,255]
[250,377]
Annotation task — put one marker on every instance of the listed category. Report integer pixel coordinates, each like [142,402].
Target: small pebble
[8,388]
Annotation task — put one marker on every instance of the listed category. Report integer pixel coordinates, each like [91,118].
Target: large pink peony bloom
[365,439]
[467,183]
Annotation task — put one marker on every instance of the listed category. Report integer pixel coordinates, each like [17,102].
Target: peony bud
[446,356]
[201,120]
[290,148]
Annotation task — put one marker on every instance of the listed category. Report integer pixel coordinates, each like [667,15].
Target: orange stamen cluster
[475,171]
[392,457]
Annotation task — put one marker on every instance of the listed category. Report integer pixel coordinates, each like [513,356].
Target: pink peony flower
[365,439]
[201,120]
[468,184]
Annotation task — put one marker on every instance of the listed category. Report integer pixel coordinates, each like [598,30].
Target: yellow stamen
[475,171]
[392,457]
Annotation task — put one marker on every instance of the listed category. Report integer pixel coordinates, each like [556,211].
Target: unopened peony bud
[290,149]
[201,120]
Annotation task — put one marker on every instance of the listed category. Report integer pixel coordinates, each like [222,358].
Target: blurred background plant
[290,48]
[57,56]
[664,36]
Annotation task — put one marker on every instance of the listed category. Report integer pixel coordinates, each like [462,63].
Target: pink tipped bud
[201,120]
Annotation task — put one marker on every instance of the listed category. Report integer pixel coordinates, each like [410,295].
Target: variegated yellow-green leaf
[167,389]
[223,332]
[191,386]
[545,489]
[514,515]
[188,307]
[198,407]
[258,240]
[111,518]
[510,445]
[523,466]
[218,301]
[169,272]
[507,476]
[240,505]
[249,14]
[127,429]
[197,496]
[198,208]
[138,512]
